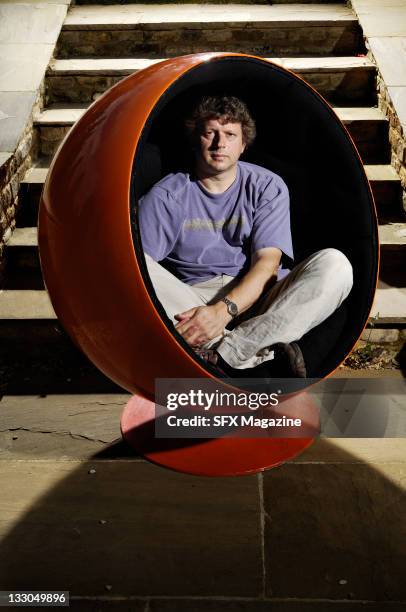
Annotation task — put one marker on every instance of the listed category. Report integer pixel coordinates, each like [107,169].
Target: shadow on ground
[324,532]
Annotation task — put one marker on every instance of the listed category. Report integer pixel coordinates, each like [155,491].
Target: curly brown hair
[227,109]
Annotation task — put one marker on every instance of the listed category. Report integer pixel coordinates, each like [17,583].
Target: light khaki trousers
[309,294]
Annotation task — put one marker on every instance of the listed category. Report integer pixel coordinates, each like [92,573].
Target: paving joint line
[262,530]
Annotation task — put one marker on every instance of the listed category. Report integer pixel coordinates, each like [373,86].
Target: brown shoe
[295,364]
[288,362]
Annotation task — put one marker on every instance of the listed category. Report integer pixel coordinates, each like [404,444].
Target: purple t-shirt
[199,235]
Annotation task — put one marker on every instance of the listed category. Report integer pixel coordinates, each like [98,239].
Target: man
[223,235]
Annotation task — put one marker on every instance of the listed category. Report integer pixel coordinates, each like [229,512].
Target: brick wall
[11,174]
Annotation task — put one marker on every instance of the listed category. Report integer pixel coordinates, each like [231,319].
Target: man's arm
[160,221]
[201,324]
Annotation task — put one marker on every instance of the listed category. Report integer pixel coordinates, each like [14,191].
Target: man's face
[219,146]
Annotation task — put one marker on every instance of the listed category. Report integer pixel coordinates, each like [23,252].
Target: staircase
[322,532]
[98,46]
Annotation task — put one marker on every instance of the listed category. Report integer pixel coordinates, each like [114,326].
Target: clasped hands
[203,323]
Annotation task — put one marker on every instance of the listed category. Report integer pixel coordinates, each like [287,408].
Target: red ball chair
[92,258]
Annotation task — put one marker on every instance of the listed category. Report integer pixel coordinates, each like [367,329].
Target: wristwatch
[232,307]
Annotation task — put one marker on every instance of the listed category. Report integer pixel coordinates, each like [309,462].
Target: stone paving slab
[135,527]
[61,116]
[22,66]
[381,172]
[24,444]
[35,176]
[99,605]
[269,606]
[336,532]
[366,6]
[229,605]
[20,304]
[324,64]
[132,14]
[15,108]
[81,425]
[354,450]
[374,173]
[389,303]
[27,304]
[4,157]
[59,425]
[36,3]
[368,128]
[24,236]
[99,66]
[28,33]
[390,54]
[385,184]
[392,233]
[349,114]
[129,65]
[31,23]
[346,80]
[382,21]
[67,115]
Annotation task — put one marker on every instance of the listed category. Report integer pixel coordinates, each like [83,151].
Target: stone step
[263,2]
[368,128]
[22,265]
[393,256]
[384,182]
[29,195]
[345,81]
[21,309]
[22,270]
[387,191]
[176,29]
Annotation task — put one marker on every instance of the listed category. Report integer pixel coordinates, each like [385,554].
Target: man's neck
[217,183]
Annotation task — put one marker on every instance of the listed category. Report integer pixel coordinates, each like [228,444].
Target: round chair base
[225,456]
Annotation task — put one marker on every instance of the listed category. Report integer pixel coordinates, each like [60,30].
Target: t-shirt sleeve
[271,225]
[159,223]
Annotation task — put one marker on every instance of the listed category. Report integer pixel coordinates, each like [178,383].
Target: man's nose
[220,140]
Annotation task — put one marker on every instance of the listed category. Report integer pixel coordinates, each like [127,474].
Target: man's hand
[203,323]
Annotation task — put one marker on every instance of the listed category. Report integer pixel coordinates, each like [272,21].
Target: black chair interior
[298,137]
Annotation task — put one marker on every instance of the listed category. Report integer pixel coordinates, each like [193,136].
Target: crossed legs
[309,294]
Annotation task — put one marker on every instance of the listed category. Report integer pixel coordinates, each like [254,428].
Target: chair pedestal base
[225,456]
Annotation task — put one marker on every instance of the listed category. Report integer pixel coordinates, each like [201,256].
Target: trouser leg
[317,344]
[174,295]
[177,296]
[296,304]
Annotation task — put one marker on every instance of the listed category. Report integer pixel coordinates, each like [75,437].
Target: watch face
[232,308]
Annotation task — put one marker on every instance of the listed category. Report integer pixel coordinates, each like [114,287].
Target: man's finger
[182,321]
[186,314]
[190,336]
[184,327]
